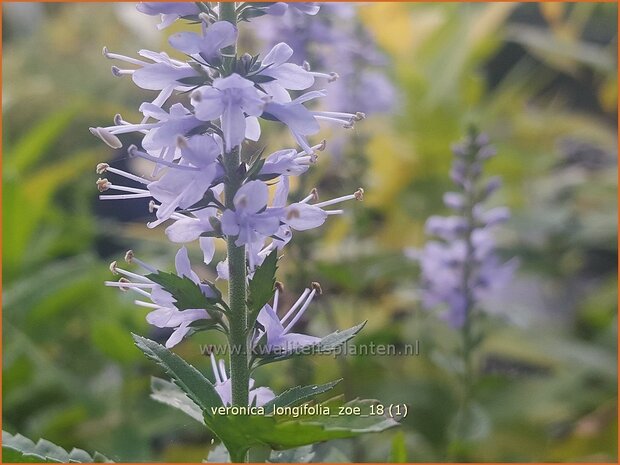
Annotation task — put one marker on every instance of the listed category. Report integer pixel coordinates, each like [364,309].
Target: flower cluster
[336,39]
[461,269]
[193,132]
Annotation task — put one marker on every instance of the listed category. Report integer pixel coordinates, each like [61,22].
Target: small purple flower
[231,99]
[208,46]
[164,313]
[258,396]
[185,183]
[277,331]
[163,74]
[169,11]
[287,162]
[300,121]
[285,75]
[250,220]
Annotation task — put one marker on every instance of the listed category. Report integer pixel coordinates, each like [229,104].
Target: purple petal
[295,116]
[158,76]
[278,55]
[183,266]
[178,335]
[207,245]
[301,216]
[186,42]
[209,105]
[252,197]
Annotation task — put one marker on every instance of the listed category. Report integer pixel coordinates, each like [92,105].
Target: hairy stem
[239,368]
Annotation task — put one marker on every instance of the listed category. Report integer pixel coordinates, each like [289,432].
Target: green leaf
[186,293]
[261,287]
[298,394]
[326,345]
[255,169]
[170,394]
[191,381]
[19,449]
[241,432]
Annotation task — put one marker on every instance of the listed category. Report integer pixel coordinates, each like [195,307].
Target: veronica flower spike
[204,186]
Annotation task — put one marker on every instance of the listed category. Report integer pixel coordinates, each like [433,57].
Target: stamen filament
[295,305]
[301,311]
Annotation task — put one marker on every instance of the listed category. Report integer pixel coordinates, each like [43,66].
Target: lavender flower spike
[461,270]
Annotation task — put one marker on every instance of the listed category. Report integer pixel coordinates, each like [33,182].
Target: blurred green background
[539,79]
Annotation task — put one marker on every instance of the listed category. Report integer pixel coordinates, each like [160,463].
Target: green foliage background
[541,80]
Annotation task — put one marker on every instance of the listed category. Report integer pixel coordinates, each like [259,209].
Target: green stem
[238,319]
[470,201]
[228,13]
[239,367]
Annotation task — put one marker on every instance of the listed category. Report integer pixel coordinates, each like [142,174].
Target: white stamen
[130,258]
[124,196]
[344,198]
[116,56]
[129,284]
[216,371]
[142,303]
[134,152]
[124,174]
[276,297]
[301,311]
[348,124]
[126,127]
[129,274]
[295,305]
[223,371]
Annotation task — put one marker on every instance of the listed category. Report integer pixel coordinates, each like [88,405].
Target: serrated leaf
[189,379]
[326,345]
[240,432]
[261,287]
[186,293]
[298,395]
[19,449]
[170,394]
